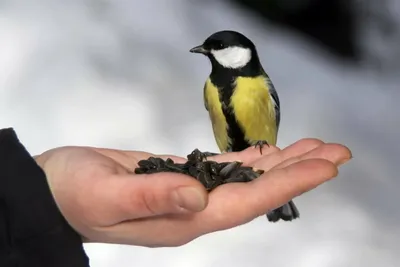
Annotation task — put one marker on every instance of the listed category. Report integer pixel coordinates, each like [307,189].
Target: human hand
[103,200]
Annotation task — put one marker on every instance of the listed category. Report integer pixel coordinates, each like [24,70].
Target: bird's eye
[221,45]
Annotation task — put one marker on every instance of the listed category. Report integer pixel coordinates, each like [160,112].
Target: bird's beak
[199,49]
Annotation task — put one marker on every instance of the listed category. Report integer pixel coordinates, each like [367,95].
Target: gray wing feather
[277,103]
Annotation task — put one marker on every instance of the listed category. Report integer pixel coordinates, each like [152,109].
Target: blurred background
[118,74]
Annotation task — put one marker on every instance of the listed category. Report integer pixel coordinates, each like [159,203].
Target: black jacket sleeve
[33,232]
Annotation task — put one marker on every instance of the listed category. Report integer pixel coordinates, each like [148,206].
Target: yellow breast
[219,124]
[254,109]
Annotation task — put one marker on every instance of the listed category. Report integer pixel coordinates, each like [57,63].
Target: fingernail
[190,198]
[343,161]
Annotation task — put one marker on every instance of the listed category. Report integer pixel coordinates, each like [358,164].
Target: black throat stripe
[224,79]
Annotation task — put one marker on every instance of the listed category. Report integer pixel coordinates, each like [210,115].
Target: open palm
[101,197]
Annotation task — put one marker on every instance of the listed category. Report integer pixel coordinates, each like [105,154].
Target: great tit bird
[242,102]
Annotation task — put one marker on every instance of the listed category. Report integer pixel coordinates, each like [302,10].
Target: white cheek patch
[232,57]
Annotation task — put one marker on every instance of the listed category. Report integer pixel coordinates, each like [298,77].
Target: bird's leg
[197,155]
[261,143]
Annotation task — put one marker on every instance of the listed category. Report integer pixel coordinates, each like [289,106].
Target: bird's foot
[261,144]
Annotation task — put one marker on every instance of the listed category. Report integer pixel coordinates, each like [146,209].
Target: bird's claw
[261,144]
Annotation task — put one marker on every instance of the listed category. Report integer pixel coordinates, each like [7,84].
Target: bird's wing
[275,100]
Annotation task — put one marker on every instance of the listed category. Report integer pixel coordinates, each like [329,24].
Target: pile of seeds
[210,173]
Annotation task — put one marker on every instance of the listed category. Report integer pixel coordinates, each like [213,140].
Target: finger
[335,153]
[246,156]
[271,190]
[320,162]
[136,196]
[292,181]
[294,150]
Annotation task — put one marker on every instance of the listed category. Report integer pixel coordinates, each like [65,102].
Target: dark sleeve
[33,232]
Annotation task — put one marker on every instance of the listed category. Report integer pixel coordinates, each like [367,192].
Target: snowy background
[118,74]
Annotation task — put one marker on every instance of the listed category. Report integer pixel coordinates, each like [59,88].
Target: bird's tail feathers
[286,212]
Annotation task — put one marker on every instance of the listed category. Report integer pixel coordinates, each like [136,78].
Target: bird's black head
[229,49]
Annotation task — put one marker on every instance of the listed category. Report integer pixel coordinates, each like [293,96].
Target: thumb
[137,196]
